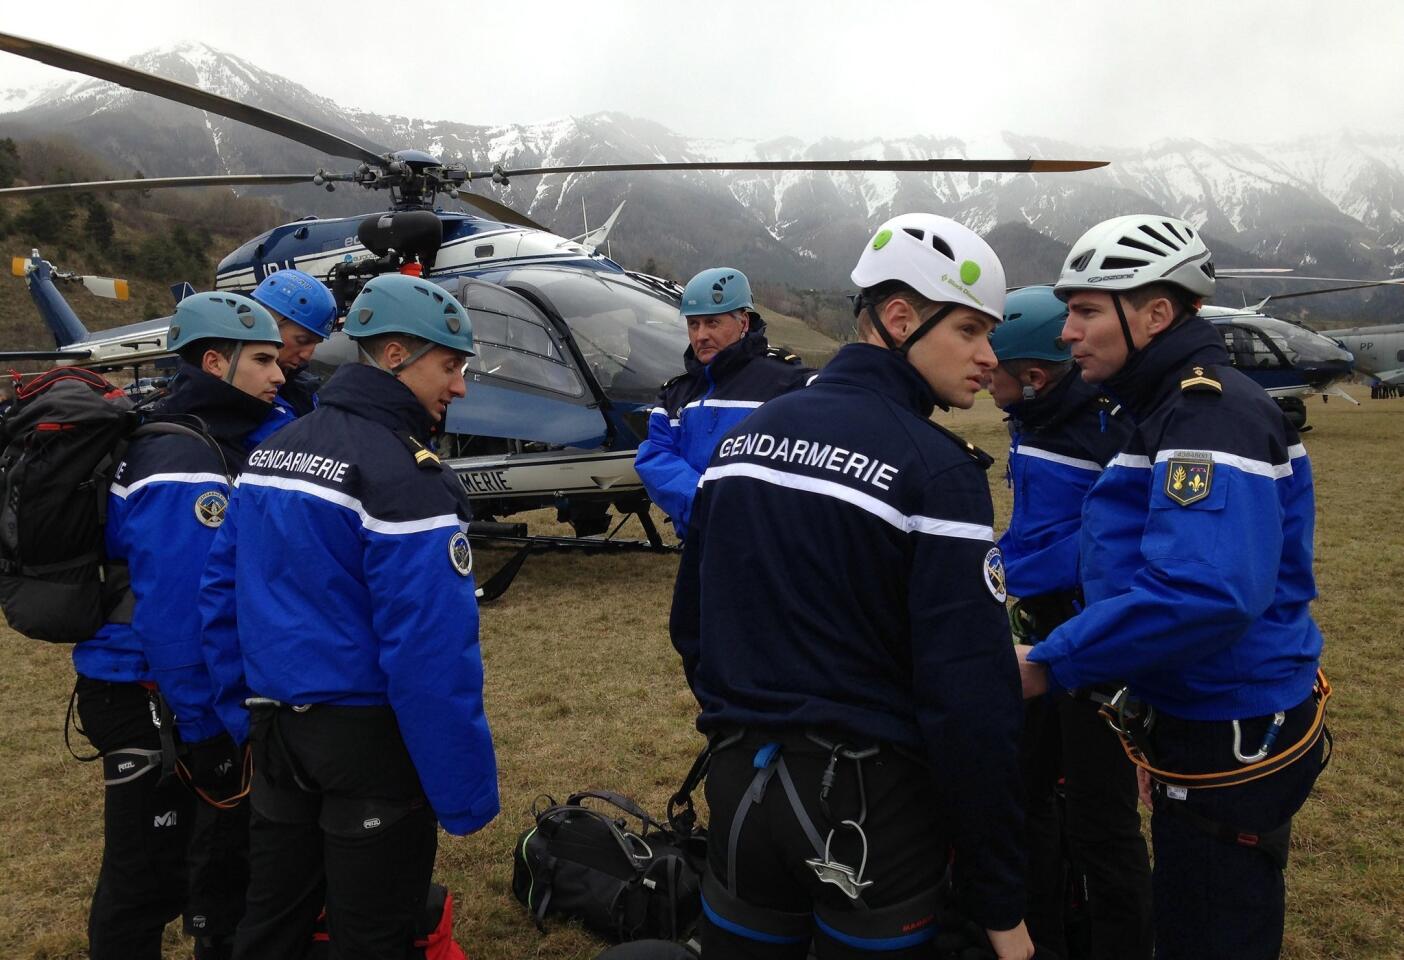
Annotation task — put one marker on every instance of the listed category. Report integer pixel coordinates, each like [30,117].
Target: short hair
[879,295]
[1055,370]
[193,352]
[1181,299]
[375,346]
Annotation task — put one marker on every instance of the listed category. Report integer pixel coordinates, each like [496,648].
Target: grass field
[583,689]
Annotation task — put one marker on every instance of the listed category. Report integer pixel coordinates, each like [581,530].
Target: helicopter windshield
[633,340]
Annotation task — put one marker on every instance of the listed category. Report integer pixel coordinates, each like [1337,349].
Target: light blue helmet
[1032,327]
[221,316]
[300,297]
[718,290]
[396,303]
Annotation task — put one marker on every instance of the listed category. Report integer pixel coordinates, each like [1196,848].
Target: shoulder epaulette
[974,452]
[783,353]
[422,454]
[1198,382]
[678,379]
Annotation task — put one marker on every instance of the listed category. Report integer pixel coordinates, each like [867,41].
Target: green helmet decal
[969,272]
[881,239]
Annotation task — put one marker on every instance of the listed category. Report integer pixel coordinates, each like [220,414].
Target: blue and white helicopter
[573,347]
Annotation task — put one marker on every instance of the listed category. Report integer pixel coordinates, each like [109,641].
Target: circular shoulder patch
[210,506]
[460,553]
[994,574]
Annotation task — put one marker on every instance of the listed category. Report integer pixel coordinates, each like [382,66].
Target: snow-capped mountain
[1333,205]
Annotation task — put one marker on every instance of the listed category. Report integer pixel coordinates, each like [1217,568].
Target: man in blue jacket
[839,612]
[368,728]
[305,310]
[1196,565]
[1063,432]
[162,853]
[731,370]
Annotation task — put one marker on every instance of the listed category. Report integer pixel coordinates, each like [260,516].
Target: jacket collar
[380,397]
[1144,380]
[228,413]
[1065,398]
[884,372]
[733,357]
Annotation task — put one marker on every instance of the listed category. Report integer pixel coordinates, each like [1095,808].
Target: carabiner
[1269,738]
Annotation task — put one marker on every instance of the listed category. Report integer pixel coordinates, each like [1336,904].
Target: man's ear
[214,364]
[1162,314]
[898,315]
[1036,377]
[392,354]
[745,322]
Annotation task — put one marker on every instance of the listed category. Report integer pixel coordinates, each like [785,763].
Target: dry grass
[584,689]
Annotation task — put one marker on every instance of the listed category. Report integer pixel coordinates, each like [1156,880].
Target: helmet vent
[919,234]
[1080,262]
[1173,232]
[1207,268]
[942,247]
[364,317]
[1133,242]
[1148,231]
[1122,263]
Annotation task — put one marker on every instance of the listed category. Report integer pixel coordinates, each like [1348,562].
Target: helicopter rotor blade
[122,75]
[933,165]
[158,183]
[499,211]
[1352,286]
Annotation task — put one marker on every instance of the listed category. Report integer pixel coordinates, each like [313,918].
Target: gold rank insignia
[1188,479]
[1200,382]
[210,507]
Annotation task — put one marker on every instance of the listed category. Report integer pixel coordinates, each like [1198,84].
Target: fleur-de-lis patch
[1188,479]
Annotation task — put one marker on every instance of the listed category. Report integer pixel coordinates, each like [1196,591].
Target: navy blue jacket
[296,397]
[347,540]
[1196,544]
[840,574]
[697,408]
[1060,442]
[166,502]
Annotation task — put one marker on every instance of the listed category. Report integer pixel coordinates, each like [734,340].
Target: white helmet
[1129,252]
[940,259]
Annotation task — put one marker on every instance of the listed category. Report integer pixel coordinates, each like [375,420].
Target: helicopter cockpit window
[1249,349]
[515,348]
[632,340]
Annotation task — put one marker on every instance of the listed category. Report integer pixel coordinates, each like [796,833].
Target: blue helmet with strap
[717,290]
[301,298]
[396,303]
[221,316]
[1032,327]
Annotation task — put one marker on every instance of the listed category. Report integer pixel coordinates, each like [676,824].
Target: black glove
[216,766]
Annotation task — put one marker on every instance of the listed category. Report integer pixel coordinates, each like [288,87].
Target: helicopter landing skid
[527,544]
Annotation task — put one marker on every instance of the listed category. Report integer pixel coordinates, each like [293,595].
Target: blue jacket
[1196,544]
[1060,442]
[840,574]
[166,502]
[347,541]
[697,408]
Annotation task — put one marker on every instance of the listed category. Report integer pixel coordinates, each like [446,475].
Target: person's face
[256,373]
[1093,331]
[298,345]
[435,379]
[955,358]
[1006,388]
[712,333]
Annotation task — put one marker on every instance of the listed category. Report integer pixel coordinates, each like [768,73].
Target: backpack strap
[624,803]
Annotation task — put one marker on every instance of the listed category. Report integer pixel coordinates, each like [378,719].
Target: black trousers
[1216,900]
[771,905]
[1100,827]
[339,818]
[164,853]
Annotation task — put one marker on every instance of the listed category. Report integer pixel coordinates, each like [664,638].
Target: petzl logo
[371,824]
[167,819]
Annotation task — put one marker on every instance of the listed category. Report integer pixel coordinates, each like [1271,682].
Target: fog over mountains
[1326,206]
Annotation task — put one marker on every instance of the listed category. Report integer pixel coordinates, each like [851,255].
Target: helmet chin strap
[233,363]
[1125,327]
[905,346]
[397,368]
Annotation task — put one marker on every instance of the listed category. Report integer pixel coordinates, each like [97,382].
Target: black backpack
[60,442]
[622,883]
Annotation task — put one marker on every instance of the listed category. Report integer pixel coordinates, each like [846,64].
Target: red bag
[433,940]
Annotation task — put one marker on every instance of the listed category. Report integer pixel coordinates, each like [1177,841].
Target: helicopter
[573,346]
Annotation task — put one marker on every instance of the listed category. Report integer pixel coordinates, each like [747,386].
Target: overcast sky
[1115,73]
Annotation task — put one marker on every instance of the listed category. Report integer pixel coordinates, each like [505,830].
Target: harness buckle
[841,875]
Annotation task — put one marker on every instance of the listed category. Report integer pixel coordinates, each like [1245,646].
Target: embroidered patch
[994,574]
[1188,479]
[460,553]
[210,506]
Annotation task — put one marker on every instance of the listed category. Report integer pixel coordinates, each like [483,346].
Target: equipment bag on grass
[60,443]
[624,877]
